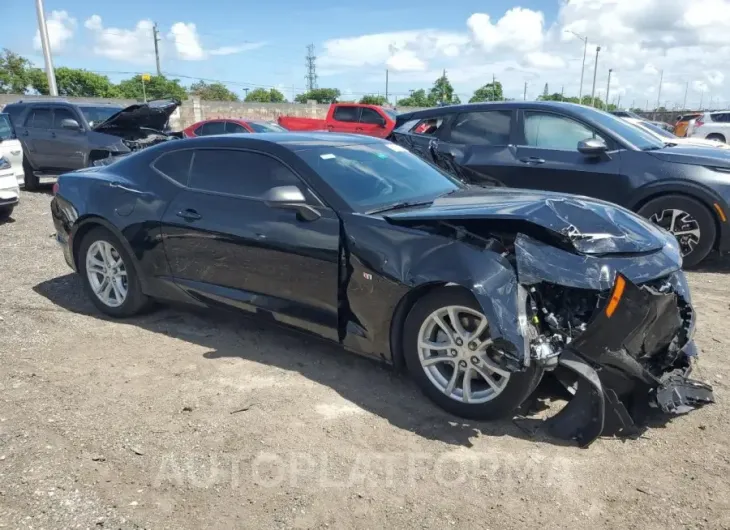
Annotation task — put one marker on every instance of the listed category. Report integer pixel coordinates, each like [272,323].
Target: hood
[152,115]
[592,226]
[695,155]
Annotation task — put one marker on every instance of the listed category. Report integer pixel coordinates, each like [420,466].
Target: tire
[696,243]
[31,180]
[6,212]
[134,301]
[486,403]
[716,136]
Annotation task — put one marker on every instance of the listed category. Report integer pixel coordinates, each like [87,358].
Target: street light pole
[595,71]
[583,68]
[608,87]
[46,45]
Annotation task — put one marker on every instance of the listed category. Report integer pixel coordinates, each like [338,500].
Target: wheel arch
[403,308]
[85,225]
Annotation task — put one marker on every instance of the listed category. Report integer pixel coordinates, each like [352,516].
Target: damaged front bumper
[634,358]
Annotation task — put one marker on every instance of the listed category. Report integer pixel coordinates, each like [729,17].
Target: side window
[370,116]
[175,165]
[213,127]
[428,127]
[550,131]
[14,111]
[232,128]
[60,114]
[239,173]
[39,119]
[198,131]
[482,128]
[346,113]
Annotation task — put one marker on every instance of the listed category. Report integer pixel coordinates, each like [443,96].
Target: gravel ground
[177,420]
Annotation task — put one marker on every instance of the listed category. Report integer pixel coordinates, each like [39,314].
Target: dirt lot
[177,421]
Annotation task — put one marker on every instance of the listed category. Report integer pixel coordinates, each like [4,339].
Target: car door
[548,155]
[477,147]
[235,128]
[345,119]
[67,147]
[36,137]
[211,128]
[226,246]
[372,123]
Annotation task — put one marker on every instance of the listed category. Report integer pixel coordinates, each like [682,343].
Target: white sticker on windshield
[327,156]
[396,147]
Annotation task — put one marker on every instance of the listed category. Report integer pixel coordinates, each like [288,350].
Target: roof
[294,141]
[485,106]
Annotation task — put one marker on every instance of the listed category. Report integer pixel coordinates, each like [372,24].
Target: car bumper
[9,190]
[634,358]
[63,233]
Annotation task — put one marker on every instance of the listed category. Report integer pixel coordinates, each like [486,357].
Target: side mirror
[291,198]
[382,122]
[592,147]
[70,124]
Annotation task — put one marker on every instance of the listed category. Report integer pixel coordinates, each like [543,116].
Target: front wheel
[6,212]
[31,181]
[450,355]
[109,276]
[688,220]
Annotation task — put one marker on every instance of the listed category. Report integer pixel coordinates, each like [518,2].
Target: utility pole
[46,45]
[608,87]
[595,71]
[562,93]
[583,68]
[618,103]
[246,91]
[386,85]
[686,88]
[310,62]
[524,95]
[702,96]
[659,94]
[156,36]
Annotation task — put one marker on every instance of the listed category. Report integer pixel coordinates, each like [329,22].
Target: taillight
[55,188]
[699,123]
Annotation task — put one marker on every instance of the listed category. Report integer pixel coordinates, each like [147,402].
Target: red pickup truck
[346,118]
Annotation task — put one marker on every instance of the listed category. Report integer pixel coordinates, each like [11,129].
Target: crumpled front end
[618,335]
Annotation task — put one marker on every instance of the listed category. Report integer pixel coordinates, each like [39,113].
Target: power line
[311,65]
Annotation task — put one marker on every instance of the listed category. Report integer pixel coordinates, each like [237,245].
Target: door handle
[53,134]
[189,215]
[358,129]
[532,160]
[25,133]
[330,127]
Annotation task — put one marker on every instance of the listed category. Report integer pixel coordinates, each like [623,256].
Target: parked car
[711,125]
[58,135]
[230,126]
[683,123]
[9,189]
[10,148]
[670,139]
[630,114]
[476,291]
[571,148]
[371,120]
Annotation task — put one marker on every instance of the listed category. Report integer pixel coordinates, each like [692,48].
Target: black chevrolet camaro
[477,292]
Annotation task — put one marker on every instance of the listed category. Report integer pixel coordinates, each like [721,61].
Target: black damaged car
[570,148]
[477,292]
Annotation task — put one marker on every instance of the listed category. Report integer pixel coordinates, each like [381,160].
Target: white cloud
[187,42]
[131,45]
[61,29]
[641,40]
[231,50]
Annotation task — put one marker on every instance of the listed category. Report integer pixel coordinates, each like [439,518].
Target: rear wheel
[689,220]
[450,355]
[31,180]
[716,136]
[5,212]
[109,276]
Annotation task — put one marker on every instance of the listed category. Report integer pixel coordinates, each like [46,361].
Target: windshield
[370,176]
[261,127]
[95,115]
[391,113]
[6,128]
[636,136]
[657,130]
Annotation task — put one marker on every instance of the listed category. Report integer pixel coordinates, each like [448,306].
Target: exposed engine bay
[615,333]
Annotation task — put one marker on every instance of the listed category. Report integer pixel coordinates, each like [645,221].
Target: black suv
[60,136]
[575,149]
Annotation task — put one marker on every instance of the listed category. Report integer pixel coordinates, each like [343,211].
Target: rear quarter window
[15,112]
[175,165]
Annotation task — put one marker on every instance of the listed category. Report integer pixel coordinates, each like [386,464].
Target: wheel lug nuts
[453,353]
[475,360]
[462,364]
[472,346]
[459,342]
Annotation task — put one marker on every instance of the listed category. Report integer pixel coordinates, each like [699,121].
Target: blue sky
[264,43]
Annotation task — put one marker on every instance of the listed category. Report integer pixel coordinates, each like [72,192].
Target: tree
[417,98]
[320,95]
[441,92]
[373,100]
[158,87]
[74,82]
[14,73]
[489,92]
[212,91]
[261,95]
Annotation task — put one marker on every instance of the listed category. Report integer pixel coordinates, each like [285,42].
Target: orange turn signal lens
[720,213]
[618,291]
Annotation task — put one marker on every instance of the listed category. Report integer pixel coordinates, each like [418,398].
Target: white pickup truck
[711,125]
[11,167]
